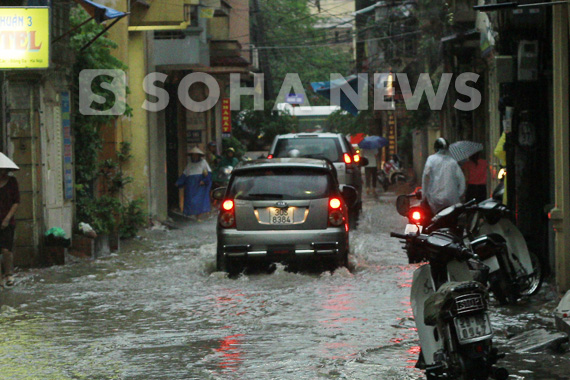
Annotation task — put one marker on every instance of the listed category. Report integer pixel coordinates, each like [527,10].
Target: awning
[100,14]
[324,89]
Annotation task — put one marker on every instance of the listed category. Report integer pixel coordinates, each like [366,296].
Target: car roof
[308,134]
[310,163]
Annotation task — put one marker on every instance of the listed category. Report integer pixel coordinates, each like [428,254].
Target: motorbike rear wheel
[534,282]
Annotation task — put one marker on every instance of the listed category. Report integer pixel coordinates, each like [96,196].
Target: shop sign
[226,117]
[24,38]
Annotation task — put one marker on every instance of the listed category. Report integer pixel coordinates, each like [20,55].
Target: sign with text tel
[24,38]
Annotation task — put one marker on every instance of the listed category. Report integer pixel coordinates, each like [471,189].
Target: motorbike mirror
[218,194]
[349,194]
[364,161]
[403,205]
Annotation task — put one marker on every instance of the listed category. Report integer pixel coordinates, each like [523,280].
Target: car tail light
[336,216]
[269,156]
[347,159]
[356,158]
[227,218]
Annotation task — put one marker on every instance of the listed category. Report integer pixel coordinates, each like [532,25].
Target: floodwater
[158,310]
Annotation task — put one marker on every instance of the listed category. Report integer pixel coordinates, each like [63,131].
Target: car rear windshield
[313,147]
[280,183]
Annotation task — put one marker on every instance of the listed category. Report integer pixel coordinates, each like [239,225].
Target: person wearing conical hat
[196,181]
[9,202]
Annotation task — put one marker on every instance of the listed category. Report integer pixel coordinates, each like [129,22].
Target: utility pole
[260,41]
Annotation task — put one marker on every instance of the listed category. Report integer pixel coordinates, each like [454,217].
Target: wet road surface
[158,310]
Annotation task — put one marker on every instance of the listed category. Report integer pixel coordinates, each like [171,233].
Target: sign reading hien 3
[24,38]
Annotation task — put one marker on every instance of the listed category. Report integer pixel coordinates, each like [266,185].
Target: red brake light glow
[347,159]
[416,215]
[334,203]
[228,205]
[356,158]
[269,156]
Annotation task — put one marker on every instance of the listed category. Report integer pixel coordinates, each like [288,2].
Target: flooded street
[164,313]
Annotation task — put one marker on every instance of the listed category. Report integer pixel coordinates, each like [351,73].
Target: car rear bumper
[273,245]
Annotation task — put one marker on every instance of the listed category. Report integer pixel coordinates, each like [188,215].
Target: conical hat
[6,163]
[196,150]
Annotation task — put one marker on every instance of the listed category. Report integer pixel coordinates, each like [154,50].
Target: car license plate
[473,328]
[280,215]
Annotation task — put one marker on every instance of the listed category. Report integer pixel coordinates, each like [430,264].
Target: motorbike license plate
[412,229]
[473,328]
[281,215]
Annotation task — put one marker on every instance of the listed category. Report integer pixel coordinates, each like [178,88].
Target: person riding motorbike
[443,182]
[227,161]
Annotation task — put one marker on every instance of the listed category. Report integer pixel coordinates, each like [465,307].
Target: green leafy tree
[298,45]
[109,211]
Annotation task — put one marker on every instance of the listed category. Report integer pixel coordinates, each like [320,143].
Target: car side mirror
[364,161]
[218,194]
[349,194]
[403,205]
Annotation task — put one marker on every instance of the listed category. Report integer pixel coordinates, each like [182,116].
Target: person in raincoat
[196,181]
[9,202]
[443,182]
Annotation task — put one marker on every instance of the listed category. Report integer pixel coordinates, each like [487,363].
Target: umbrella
[462,150]
[6,163]
[373,142]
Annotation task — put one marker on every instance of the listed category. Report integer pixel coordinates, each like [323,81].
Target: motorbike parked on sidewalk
[450,310]
[514,271]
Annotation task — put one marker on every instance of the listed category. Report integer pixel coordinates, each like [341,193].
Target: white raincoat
[443,182]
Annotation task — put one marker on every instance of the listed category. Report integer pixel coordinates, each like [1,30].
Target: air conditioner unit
[528,61]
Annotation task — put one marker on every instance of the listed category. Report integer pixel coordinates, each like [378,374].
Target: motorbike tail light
[356,158]
[336,216]
[227,218]
[347,159]
[416,216]
[269,156]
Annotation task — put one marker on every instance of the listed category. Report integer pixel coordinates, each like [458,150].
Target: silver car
[282,210]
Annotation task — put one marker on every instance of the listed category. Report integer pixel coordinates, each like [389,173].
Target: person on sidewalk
[9,202]
[443,182]
[212,156]
[370,170]
[196,181]
[475,170]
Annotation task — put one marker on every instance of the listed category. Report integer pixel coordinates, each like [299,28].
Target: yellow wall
[137,132]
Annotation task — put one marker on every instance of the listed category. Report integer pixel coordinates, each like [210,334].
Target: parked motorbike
[450,310]
[514,272]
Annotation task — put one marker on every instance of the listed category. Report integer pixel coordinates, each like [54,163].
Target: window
[310,147]
[267,184]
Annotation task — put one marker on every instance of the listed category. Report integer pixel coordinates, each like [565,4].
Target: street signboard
[295,99]
[24,38]
[226,118]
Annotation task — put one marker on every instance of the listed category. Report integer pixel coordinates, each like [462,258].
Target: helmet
[230,149]
[294,153]
[440,143]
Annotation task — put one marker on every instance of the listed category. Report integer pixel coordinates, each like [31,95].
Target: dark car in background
[286,210]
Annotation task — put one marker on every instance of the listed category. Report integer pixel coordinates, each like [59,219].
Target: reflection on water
[164,314]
